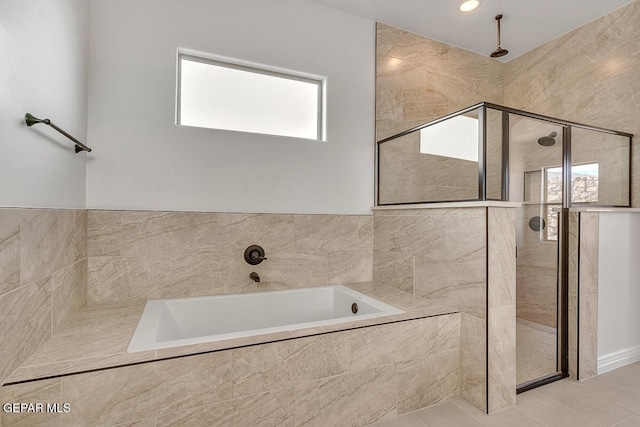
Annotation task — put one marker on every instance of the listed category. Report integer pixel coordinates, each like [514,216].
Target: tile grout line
[567,408]
[419,420]
[623,421]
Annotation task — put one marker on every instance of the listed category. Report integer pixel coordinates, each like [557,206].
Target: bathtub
[168,323]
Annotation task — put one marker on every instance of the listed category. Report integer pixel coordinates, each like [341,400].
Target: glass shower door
[536,180]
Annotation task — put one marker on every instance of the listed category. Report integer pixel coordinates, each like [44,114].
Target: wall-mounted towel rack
[31,120]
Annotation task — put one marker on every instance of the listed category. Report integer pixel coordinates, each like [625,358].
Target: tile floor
[611,399]
[535,351]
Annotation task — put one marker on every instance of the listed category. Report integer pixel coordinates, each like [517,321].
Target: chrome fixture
[499,51]
[254,255]
[254,276]
[31,120]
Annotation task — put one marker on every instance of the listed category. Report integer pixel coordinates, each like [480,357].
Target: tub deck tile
[98,336]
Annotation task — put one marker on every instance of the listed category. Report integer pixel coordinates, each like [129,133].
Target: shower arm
[31,120]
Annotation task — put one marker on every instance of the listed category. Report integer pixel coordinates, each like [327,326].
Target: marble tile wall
[441,255]
[420,79]
[343,378]
[588,295]
[408,176]
[573,294]
[588,75]
[438,254]
[501,290]
[536,270]
[145,255]
[583,294]
[43,270]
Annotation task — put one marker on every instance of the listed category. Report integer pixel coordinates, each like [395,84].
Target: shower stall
[489,152]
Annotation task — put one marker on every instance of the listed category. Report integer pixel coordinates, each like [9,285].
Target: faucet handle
[254,255]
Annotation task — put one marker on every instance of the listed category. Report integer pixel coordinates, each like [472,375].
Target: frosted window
[455,138]
[220,95]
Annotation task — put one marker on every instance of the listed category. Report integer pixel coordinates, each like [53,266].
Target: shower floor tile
[535,351]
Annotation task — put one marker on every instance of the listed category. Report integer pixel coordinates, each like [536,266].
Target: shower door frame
[563,250]
[482,151]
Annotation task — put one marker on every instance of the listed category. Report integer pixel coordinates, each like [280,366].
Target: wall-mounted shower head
[499,51]
[548,141]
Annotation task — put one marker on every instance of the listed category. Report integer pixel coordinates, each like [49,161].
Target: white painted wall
[43,70]
[618,290]
[142,160]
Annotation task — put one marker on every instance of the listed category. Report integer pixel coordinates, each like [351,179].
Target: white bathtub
[178,322]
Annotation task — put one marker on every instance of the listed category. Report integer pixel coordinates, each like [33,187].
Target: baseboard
[618,359]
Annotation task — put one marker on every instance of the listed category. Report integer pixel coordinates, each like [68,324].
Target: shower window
[584,184]
[218,94]
[584,189]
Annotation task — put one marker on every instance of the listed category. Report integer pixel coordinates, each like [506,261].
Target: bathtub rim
[144,337]
[58,357]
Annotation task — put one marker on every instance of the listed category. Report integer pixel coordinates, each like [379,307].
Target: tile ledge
[449,205]
[67,363]
[603,209]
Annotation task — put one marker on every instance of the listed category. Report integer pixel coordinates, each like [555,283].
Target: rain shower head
[500,51]
[548,141]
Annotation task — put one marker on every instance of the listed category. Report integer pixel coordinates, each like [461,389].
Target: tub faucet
[254,276]
[254,255]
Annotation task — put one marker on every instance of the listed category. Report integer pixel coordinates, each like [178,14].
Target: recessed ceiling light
[469,5]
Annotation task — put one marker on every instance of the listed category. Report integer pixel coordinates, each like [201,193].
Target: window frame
[320,82]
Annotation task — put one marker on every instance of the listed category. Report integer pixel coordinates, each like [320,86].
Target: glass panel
[535,178]
[494,154]
[433,164]
[226,96]
[600,168]
[533,186]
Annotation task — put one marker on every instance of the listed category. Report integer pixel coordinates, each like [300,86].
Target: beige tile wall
[537,271]
[43,270]
[418,80]
[588,75]
[408,176]
[145,255]
[441,255]
[583,294]
[573,294]
[344,378]
[501,300]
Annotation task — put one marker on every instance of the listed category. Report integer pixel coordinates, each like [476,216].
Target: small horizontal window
[456,138]
[222,95]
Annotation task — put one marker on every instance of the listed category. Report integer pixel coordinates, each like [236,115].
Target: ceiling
[525,25]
